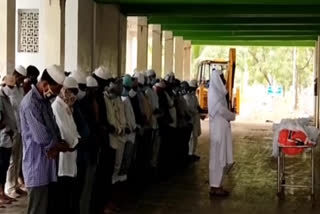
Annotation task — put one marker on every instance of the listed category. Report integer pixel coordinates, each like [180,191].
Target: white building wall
[27,59]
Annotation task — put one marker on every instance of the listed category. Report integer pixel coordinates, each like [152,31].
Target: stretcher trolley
[283,149]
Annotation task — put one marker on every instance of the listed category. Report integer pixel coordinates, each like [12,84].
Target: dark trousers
[38,198]
[5,154]
[43,199]
[102,187]
[68,195]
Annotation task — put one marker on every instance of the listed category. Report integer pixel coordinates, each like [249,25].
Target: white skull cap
[21,70]
[91,82]
[79,76]
[150,72]
[56,73]
[103,73]
[70,82]
[193,84]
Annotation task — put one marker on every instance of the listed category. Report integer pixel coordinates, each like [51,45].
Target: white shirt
[15,99]
[116,117]
[69,133]
[130,118]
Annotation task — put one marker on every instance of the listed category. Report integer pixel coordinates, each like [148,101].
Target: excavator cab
[203,77]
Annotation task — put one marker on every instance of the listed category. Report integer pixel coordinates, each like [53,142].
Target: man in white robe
[221,156]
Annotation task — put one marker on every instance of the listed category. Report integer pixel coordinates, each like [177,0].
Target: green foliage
[264,65]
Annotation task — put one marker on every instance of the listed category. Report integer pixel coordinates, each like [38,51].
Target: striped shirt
[39,133]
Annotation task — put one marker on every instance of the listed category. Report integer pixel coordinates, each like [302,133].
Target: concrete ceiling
[232,22]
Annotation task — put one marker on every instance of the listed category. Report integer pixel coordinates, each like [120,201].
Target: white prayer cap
[70,82]
[140,77]
[56,73]
[21,70]
[102,73]
[151,72]
[193,84]
[79,76]
[169,76]
[91,82]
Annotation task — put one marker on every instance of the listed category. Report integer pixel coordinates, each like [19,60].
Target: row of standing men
[85,136]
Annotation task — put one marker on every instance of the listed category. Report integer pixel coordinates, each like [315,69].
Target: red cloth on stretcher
[293,138]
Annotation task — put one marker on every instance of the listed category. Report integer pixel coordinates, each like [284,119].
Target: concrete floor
[252,182]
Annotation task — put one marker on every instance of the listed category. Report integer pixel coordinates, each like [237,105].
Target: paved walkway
[252,182]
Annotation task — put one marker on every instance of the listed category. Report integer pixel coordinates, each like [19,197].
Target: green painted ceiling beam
[232,21]
[245,33]
[292,38]
[217,27]
[227,2]
[180,10]
[256,43]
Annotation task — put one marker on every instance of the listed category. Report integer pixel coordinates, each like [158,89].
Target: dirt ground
[252,182]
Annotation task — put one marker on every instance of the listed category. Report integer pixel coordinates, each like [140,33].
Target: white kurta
[116,117]
[130,119]
[193,103]
[69,133]
[220,130]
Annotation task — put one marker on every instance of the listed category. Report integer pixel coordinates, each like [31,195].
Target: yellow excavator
[203,76]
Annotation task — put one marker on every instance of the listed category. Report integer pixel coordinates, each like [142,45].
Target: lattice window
[28,31]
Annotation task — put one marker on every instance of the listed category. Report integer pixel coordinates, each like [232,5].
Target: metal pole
[312,170]
[279,158]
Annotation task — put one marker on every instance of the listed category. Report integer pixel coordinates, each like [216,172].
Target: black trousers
[43,199]
[5,154]
[102,187]
[68,195]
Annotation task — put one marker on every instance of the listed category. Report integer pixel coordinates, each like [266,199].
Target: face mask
[68,97]
[8,91]
[48,94]
[132,93]
[81,94]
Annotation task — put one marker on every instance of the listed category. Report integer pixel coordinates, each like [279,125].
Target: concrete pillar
[178,57]
[62,32]
[157,49]
[318,82]
[109,38]
[316,76]
[52,32]
[187,61]
[79,35]
[142,39]
[7,36]
[168,51]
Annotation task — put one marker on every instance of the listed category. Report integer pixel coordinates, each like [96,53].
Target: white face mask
[81,94]
[8,91]
[132,93]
